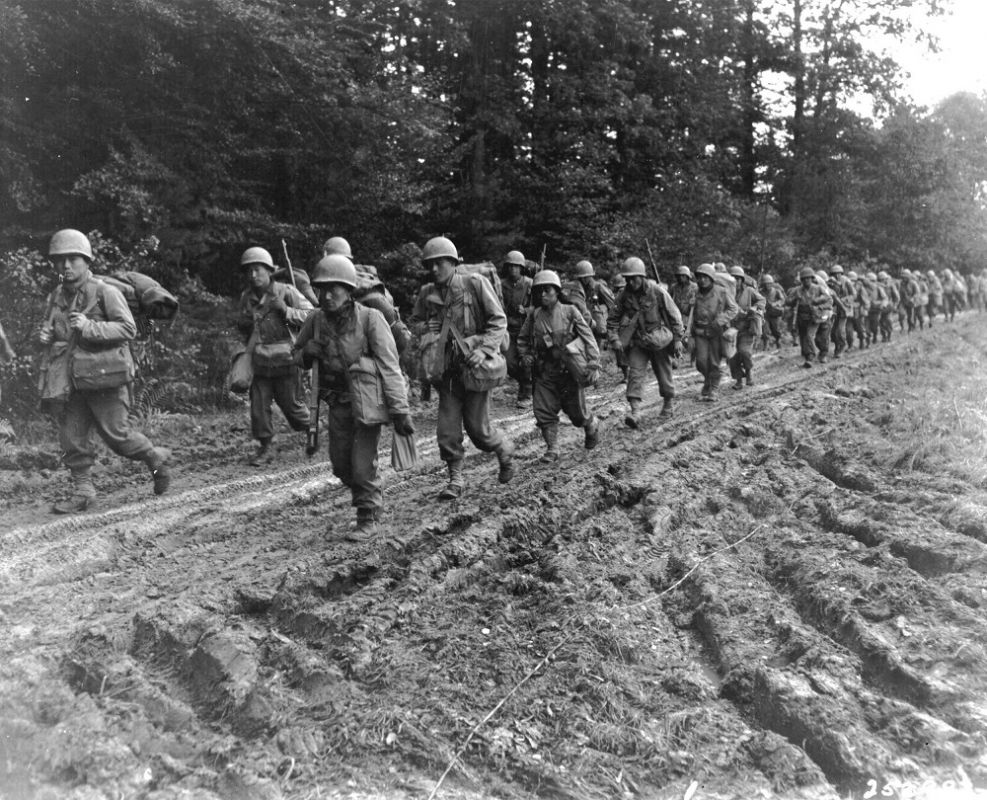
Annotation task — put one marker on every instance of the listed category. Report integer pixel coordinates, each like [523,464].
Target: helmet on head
[706,269]
[515,257]
[439,247]
[883,276]
[767,278]
[836,269]
[683,270]
[337,245]
[931,273]
[618,281]
[334,268]
[853,275]
[633,266]
[583,269]
[719,266]
[807,272]
[546,277]
[70,242]
[737,271]
[821,274]
[906,273]
[872,276]
[257,255]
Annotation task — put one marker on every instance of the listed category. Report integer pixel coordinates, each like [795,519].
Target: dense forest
[769,132]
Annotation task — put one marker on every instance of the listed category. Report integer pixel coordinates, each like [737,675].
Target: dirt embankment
[783,595]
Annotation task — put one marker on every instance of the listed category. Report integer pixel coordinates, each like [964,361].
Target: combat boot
[455,486]
[666,408]
[505,457]
[160,473]
[83,494]
[366,526]
[592,431]
[550,433]
[524,396]
[262,455]
[633,417]
[739,384]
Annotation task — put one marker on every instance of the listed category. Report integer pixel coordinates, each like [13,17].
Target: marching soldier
[269,312]
[88,371]
[469,304]
[646,325]
[549,327]
[345,336]
[893,300]
[715,309]
[813,308]
[516,289]
[843,296]
[748,321]
[774,309]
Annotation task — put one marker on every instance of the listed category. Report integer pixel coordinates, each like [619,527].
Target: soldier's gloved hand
[475,358]
[77,321]
[592,375]
[278,306]
[402,424]
[677,348]
[434,326]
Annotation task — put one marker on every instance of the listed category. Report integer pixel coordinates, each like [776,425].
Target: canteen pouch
[273,359]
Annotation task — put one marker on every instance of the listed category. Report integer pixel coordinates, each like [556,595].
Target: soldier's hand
[77,320]
[45,334]
[616,345]
[402,424]
[677,348]
[434,326]
[527,361]
[278,306]
[475,358]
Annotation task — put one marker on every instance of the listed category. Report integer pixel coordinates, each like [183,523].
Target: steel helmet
[515,257]
[719,266]
[872,276]
[583,269]
[807,272]
[546,277]
[853,275]
[334,268]
[633,266]
[706,269]
[766,278]
[257,255]
[618,281]
[883,276]
[906,273]
[931,273]
[683,270]
[70,242]
[836,269]
[337,245]
[737,271]
[439,247]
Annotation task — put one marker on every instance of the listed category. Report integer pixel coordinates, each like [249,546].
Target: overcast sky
[962,64]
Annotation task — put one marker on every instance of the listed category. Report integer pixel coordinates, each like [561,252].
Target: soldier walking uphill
[683,292]
[813,306]
[268,312]
[88,370]
[750,317]
[516,288]
[646,325]
[549,327]
[774,310]
[360,379]
[714,311]
[844,293]
[468,304]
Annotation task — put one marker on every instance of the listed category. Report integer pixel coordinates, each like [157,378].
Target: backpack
[148,300]
[488,271]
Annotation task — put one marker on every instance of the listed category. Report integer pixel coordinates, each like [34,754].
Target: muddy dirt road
[782,595]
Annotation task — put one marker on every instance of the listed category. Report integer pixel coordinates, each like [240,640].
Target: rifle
[291,272]
[541,264]
[651,258]
[312,434]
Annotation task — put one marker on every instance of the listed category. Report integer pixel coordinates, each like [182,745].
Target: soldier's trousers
[773,328]
[107,412]
[887,324]
[743,360]
[709,354]
[556,391]
[838,334]
[809,338]
[874,323]
[517,370]
[459,408]
[638,361]
[353,455]
[286,391]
